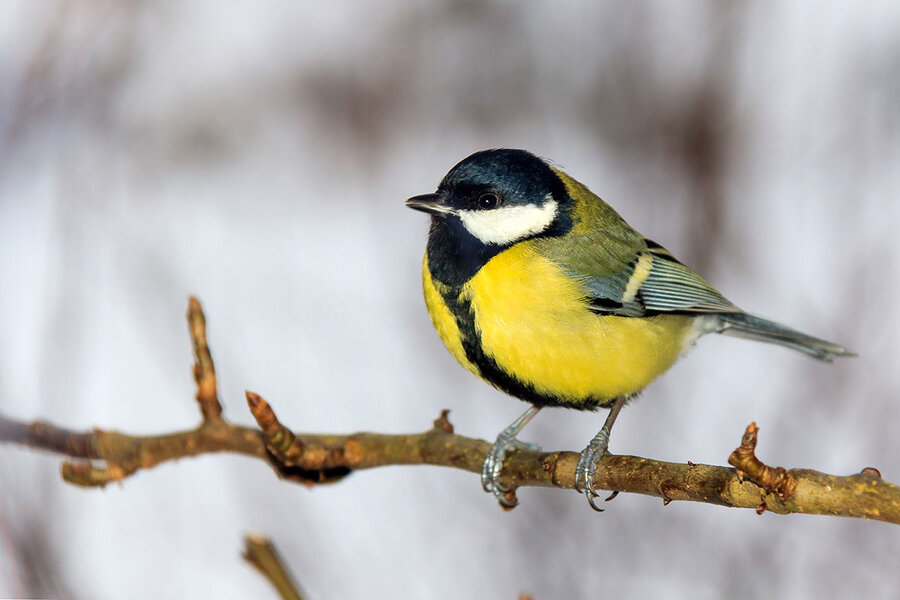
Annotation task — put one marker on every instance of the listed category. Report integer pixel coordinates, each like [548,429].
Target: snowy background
[258,155]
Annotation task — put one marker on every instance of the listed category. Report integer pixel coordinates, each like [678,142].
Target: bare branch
[260,552]
[204,370]
[329,457]
[105,456]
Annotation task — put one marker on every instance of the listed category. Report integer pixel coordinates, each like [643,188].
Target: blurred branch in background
[33,558]
[683,128]
[262,554]
[316,458]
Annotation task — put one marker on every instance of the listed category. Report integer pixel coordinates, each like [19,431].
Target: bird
[540,288]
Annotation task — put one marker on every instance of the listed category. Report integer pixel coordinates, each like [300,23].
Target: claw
[493,466]
[586,470]
[592,504]
[493,462]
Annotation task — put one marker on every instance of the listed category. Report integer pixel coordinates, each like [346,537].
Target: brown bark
[105,456]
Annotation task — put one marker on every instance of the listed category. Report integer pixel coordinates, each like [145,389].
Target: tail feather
[756,328]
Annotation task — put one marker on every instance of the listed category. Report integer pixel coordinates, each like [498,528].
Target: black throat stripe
[461,308]
[454,254]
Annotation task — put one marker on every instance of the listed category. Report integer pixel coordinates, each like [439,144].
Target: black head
[488,202]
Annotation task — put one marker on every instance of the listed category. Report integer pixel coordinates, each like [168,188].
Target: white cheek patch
[508,224]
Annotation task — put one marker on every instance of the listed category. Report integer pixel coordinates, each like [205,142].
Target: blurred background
[258,155]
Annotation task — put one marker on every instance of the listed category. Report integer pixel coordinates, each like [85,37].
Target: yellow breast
[531,318]
[443,318]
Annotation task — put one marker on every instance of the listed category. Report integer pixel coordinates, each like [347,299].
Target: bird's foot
[493,464]
[586,469]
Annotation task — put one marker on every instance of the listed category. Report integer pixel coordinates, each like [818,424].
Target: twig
[204,370]
[261,553]
[791,488]
[774,480]
[106,456]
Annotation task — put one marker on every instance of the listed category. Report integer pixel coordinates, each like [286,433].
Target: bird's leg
[590,456]
[493,462]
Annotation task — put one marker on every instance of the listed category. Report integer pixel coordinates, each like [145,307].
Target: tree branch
[105,456]
[262,554]
[204,371]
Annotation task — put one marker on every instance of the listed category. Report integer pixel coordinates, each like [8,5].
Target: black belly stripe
[461,308]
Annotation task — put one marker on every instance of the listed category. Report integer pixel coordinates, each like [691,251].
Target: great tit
[540,288]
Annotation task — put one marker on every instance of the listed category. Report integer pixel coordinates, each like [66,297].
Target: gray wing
[655,282]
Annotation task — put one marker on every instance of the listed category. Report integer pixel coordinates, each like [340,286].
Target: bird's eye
[488,201]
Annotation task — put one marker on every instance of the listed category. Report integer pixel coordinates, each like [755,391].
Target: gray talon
[586,470]
[493,462]
[493,465]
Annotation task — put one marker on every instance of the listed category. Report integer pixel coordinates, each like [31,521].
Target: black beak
[433,204]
